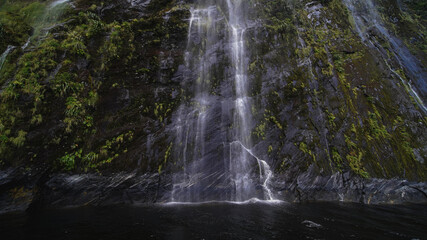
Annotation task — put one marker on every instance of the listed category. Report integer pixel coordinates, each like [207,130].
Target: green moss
[253,66]
[304,148]
[376,129]
[67,162]
[90,161]
[403,147]
[353,128]
[279,16]
[75,43]
[259,131]
[270,149]
[354,158]
[119,45]
[337,159]
[355,162]
[16,20]
[331,118]
[284,166]
[111,150]
[19,140]
[303,53]
[163,110]
[275,121]
[165,160]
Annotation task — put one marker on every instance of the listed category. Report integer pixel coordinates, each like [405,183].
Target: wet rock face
[27,192]
[331,112]
[17,189]
[320,99]
[349,188]
[127,73]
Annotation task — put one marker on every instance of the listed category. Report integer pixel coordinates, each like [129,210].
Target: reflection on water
[259,220]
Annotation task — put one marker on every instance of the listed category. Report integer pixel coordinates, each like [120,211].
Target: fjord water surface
[222,221]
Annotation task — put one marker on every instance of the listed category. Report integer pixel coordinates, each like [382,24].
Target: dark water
[222,221]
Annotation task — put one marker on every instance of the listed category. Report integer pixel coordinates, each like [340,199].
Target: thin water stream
[4,55]
[366,17]
[50,17]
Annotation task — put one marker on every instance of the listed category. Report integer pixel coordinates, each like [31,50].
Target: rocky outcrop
[28,191]
[344,187]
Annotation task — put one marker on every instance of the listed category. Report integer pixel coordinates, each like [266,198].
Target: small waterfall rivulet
[5,54]
[41,23]
[366,17]
[48,19]
[213,125]
[58,2]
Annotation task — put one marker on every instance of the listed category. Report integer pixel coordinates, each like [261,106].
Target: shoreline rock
[22,190]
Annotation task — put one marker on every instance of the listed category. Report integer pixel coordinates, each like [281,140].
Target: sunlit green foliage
[93,160]
[119,44]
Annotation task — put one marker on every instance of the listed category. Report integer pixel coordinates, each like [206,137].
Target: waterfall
[58,2]
[48,19]
[42,23]
[213,126]
[4,55]
[366,17]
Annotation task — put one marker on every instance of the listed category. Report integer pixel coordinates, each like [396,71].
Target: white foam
[58,2]
[247,202]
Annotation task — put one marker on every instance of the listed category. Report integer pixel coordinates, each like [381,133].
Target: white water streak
[369,15]
[5,54]
[265,172]
[191,139]
[247,202]
[26,44]
[58,2]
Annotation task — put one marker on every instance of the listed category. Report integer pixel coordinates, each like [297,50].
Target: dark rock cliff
[89,99]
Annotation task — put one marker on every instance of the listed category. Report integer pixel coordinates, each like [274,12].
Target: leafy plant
[67,162]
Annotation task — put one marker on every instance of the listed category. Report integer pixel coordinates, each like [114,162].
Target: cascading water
[240,156]
[43,21]
[5,54]
[366,17]
[41,25]
[47,20]
[58,2]
[213,128]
